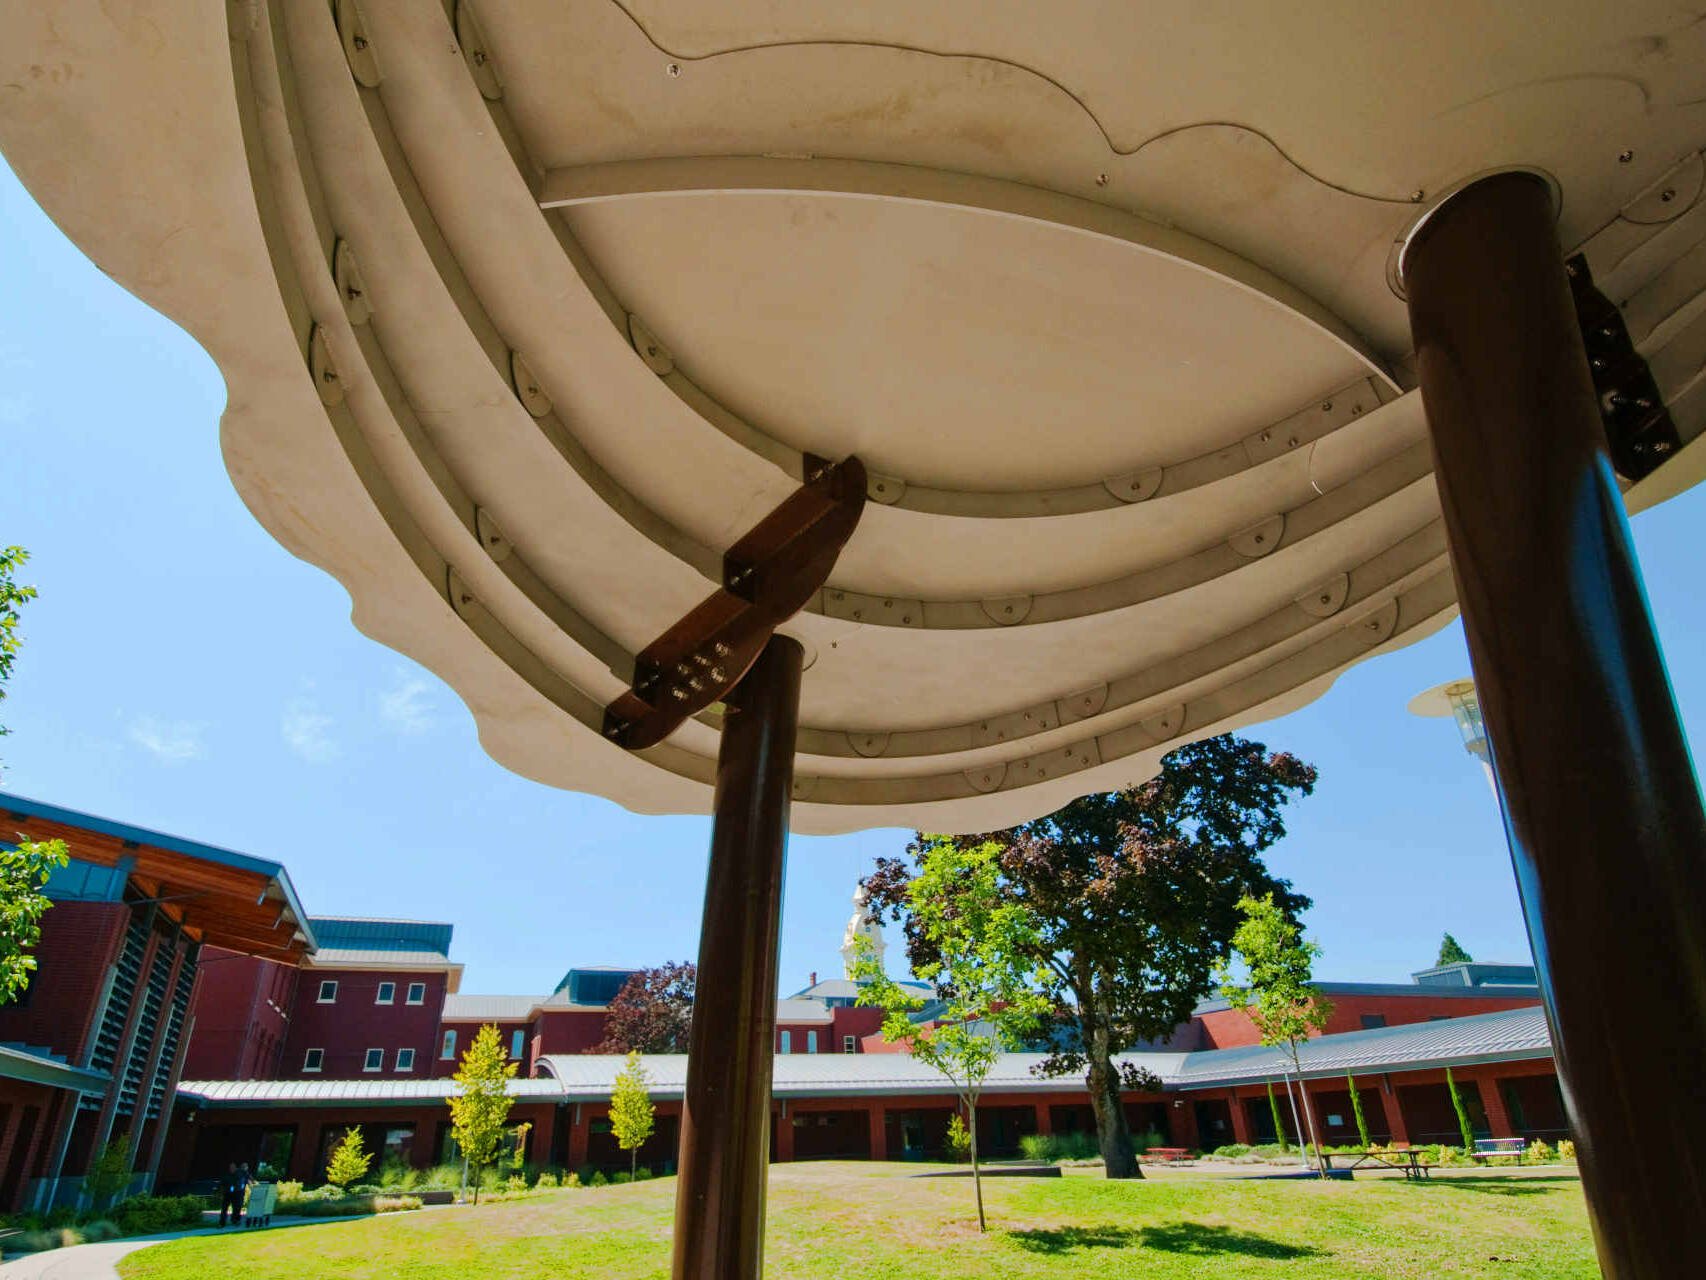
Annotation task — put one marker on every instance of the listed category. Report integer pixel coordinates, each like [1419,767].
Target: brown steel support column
[725,1116]
[1601,806]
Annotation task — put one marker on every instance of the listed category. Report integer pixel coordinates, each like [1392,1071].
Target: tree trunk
[633,1162]
[1308,1116]
[976,1176]
[1113,1135]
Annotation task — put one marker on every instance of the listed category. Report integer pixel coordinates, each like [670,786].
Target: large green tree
[985,966]
[479,1113]
[1450,952]
[1133,896]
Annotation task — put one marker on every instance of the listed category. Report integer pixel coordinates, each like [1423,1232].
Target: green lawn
[858,1221]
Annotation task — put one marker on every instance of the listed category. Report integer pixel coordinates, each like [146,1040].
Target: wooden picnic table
[1407,1159]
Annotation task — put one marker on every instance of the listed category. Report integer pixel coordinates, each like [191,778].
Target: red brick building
[93,1048]
[162,956]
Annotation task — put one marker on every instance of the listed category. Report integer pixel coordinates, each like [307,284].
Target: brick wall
[354,1022]
[241,1010]
[466,1030]
[78,942]
[1227,1028]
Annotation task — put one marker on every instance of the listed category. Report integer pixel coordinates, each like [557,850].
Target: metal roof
[834,988]
[38,1066]
[332,957]
[373,933]
[298,1093]
[278,878]
[472,1008]
[1513,1035]
[1485,1037]
[803,1011]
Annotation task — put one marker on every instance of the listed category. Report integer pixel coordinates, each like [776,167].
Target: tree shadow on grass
[1500,1186]
[1175,1237]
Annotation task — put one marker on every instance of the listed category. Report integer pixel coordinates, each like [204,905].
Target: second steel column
[725,1119]
[1601,805]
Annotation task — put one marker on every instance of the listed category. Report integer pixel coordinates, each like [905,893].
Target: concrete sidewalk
[100,1261]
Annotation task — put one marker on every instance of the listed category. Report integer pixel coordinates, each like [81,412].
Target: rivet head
[1417,195]
[678,693]
[906,619]
[1624,157]
[1101,179]
[672,70]
[1326,406]
[1667,195]
[1261,538]
[1291,443]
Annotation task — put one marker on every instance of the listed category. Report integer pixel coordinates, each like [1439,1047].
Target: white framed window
[417,993]
[313,1059]
[849,1044]
[375,1060]
[448,1048]
[517,1042]
[787,1042]
[328,992]
[811,1042]
[405,1059]
[386,994]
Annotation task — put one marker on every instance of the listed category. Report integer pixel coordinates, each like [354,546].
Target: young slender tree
[1279,1126]
[1451,953]
[479,1113]
[631,1110]
[1279,998]
[983,950]
[1133,898]
[1356,1110]
[23,871]
[652,1013]
[109,1173]
[1464,1128]
[349,1160]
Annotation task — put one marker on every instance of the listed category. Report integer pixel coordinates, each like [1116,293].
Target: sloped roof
[1514,1035]
[803,1011]
[1485,1037]
[376,933]
[471,1008]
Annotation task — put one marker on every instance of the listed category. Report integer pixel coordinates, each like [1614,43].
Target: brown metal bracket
[768,577]
[1638,427]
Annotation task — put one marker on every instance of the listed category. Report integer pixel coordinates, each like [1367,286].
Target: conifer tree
[1356,1110]
[1451,953]
[631,1110]
[479,1113]
[349,1161]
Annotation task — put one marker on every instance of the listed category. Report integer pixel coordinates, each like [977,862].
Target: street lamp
[1456,698]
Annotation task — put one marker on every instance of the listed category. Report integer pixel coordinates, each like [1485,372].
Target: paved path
[100,1261]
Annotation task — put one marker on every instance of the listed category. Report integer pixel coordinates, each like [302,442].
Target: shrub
[395,1204]
[1538,1153]
[620,1178]
[1567,1151]
[514,1183]
[642,1174]
[349,1161]
[342,1207]
[398,1175]
[1050,1147]
[64,1216]
[35,1241]
[109,1172]
[572,1180]
[100,1229]
[546,1182]
[289,1190]
[365,1189]
[599,1180]
[1232,1151]
[958,1138]
[148,1215]
[1142,1141]
[442,1177]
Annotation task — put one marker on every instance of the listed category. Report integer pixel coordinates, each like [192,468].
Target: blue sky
[182,671]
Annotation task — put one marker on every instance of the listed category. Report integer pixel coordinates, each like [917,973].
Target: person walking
[231,1194]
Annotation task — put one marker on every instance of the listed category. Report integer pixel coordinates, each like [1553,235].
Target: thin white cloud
[173,741]
[405,706]
[307,731]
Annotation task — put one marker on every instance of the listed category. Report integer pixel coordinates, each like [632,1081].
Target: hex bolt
[678,693]
[719,648]
[1624,157]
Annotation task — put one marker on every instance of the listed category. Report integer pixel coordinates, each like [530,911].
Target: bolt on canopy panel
[530,311]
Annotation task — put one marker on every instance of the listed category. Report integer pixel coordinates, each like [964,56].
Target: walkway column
[725,1113]
[1240,1118]
[784,1137]
[1601,806]
[879,1121]
[1493,1103]
[580,1131]
[1397,1132]
[1045,1119]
